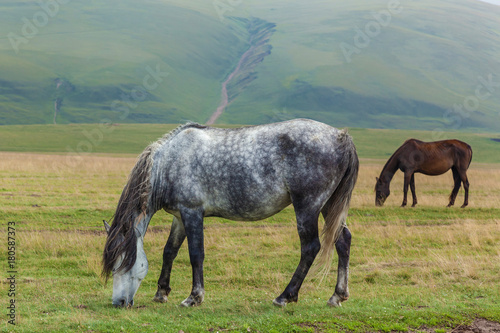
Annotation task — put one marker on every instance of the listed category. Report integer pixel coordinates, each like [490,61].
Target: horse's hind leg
[343,247]
[456,186]
[307,225]
[175,240]
[465,180]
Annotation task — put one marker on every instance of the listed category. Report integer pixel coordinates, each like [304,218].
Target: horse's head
[127,272]
[382,191]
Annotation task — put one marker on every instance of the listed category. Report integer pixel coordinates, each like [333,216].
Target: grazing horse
[429,158]
[247,173]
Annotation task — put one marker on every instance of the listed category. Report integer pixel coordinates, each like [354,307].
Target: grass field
[80,139]
[411,269]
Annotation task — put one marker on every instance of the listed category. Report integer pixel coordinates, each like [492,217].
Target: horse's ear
[106,226]
[376,178]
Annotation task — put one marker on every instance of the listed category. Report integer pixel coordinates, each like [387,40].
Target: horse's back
[437,156]
[252,172]
[442,145]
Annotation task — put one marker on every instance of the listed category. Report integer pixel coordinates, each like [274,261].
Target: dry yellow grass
[46,180]
[64,164]
[51,175]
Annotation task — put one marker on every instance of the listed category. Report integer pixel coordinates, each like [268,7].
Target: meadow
[412,269]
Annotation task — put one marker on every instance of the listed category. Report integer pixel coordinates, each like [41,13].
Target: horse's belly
[248,207]
[435,169]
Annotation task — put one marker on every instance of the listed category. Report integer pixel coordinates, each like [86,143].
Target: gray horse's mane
[132,207]
[155,145]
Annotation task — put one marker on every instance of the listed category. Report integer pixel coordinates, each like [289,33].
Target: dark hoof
[279,303]
[161,296]
[282,301]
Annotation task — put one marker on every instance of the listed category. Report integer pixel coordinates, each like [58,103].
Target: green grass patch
[83,139]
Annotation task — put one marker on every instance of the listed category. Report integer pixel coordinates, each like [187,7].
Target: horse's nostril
[131,304]
[120,303]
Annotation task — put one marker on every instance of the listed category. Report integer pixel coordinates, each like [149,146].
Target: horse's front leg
[412,188]
[175,240]
[343,247]
[193,225]
[405,188]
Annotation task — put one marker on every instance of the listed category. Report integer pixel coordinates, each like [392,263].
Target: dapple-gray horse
[247,173]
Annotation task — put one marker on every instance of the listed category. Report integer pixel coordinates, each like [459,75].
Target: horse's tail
[338,204]
[470,151]
[132,208]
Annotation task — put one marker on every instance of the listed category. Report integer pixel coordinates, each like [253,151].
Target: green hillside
[415,65]
[82,139]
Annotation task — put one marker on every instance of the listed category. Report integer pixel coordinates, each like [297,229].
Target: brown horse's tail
[338,205]
[470,150]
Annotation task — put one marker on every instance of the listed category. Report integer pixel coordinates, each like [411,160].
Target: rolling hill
[376,64]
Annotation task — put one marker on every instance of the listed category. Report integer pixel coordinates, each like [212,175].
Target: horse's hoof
[190,302]
[187,303]
[463,206]
[161,296]
[279,303]
[335,301]
[160,299]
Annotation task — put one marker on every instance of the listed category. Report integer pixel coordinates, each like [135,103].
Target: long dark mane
[132,207]
[132,204]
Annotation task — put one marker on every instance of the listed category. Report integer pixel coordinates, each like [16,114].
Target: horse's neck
[389,169]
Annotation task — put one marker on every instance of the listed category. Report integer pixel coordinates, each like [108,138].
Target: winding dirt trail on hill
[259,33]
[224,97]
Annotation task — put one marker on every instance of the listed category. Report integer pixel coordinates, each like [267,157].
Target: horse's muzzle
[122,303]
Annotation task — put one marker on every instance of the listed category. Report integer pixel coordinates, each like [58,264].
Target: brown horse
[429,158]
